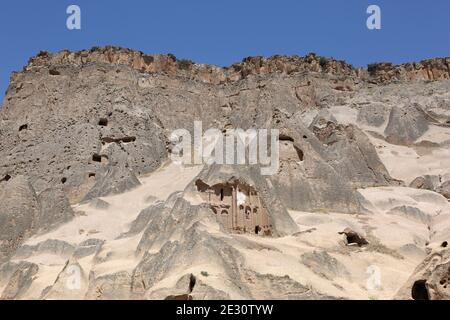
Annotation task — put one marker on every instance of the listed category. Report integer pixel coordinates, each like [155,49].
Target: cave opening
[6,178]
[23,127]
[284,137]
[103,122]
[96,157]
[419,290]
[299,153]
[192,282]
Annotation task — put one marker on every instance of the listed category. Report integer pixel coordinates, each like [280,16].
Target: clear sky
[223,32]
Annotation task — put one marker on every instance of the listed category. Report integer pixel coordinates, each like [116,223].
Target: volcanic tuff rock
[86,188]
[430,280]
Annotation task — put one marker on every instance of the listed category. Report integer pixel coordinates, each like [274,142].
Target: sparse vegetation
[372,68]
[185,64]
[323,62]
[204,273]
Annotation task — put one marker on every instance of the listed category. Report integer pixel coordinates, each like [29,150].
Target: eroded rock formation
[86,190]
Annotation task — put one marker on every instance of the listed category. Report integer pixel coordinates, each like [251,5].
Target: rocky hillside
[92,207]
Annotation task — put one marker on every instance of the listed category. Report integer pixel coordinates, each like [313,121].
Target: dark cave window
[128,139]
[299,153]
[96,158]
[91,175]
[63,180]
[23,127]
[6,178]
[103,122]
[221,194]
[419,290]
[283,137]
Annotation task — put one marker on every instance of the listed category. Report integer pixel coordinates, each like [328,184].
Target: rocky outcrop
[430,280]
[23,213]
[115,180]
[427,182]
[444,189]
[79,126]
[19,281]
[51,246]
[434,183]
[431,69]
[322,263]
[170,65]
[19,212]
[405,125]
[55,209]
[351,154]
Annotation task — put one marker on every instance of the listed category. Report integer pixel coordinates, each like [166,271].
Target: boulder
[431,278]
[19,213]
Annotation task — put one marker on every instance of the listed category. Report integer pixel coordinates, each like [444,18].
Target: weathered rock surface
[115,180]
[77,127]
[430,280]
[55,209]
[405,125]
[19,281]
[19,212]
[435,183]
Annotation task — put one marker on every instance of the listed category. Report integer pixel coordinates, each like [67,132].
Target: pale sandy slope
[397,242]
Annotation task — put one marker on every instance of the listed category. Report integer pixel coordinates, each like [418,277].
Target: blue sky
[223,32]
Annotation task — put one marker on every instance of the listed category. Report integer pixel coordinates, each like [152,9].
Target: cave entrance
[6,178]
[299,153]
[419,290]
[97,158]
[103,122]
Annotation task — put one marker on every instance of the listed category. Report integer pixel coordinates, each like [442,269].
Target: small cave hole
[103,122]
[221,194]
[23,127]
[419,290]
[257,229]
[63,180]
[91,175]
[128,139]
[284,137]
[444,244]
[299,153]
[54,72]
[96,157]
[6,178]
[192,281]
